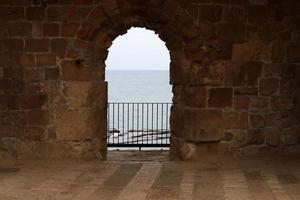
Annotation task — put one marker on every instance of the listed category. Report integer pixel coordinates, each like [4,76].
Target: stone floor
[129,179]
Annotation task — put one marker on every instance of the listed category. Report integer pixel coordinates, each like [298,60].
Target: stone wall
[234,70]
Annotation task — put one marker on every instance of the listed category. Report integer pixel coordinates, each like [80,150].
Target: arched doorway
[95,37]
[139,93]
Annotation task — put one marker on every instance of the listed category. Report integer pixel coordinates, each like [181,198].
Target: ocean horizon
[141,86]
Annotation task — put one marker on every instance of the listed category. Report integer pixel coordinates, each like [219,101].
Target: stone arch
[110,19]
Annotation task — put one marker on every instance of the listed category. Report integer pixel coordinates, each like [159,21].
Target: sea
[139,86]
[144,118]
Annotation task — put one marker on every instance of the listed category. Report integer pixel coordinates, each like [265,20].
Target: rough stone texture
[234,69]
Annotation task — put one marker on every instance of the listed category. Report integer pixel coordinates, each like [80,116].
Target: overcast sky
[139,49]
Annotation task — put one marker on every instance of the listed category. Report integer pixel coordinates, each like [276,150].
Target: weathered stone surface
[33,133]
[77,72]
[251,51]
[220,98]
[177,120]
[255,137]
[38,117]
[253,91]
[235,120]
[242,74]
[206,75]
[282,103]
[76,129]
[291,135]
[77,93]
[259,104]
[241,103]
[288,87]
[272,136]
[203,135]
[268,86]
[293,52]
[188,151]
[195,118]
[257,121]
[195,97]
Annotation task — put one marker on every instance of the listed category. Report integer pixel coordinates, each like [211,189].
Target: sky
[138,49]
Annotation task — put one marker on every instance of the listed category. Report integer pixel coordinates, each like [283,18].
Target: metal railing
[138,124]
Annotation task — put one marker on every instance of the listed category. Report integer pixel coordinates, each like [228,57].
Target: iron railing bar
[127,122]
[162,121]
[157,121]
[140,133]
[132,133]
[137,118]
[152,124]
[143,122]
[147,122]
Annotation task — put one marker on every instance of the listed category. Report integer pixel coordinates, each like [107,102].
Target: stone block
[220,98]
[291,135]
[55,13]
[87,32]
[288,87]
[69,29]
[268,86]
[12,13]
[273,70]
[78,72]
[293,52]
[257,121]
[26,60]
[234,13]
[259,104]
[277,119]
[38,117]
[52,73]
[45,60]
[235,120]
[188,151]
[74,125]
[242,73]
[206,75]
[240,91]
[260,13]
[177,120]
[33,133]
[51,29]
[97,16]
[203,134]
[210,13]
[255,137]
[59,47]
[282,103]
[195,118]
[241,103]
[228,33]
[32,101]
[251,51]
[178,72]
[77,93]
[15,118]
[35,13]
[272,136]
[195,97]
[37,45]
[13,44]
